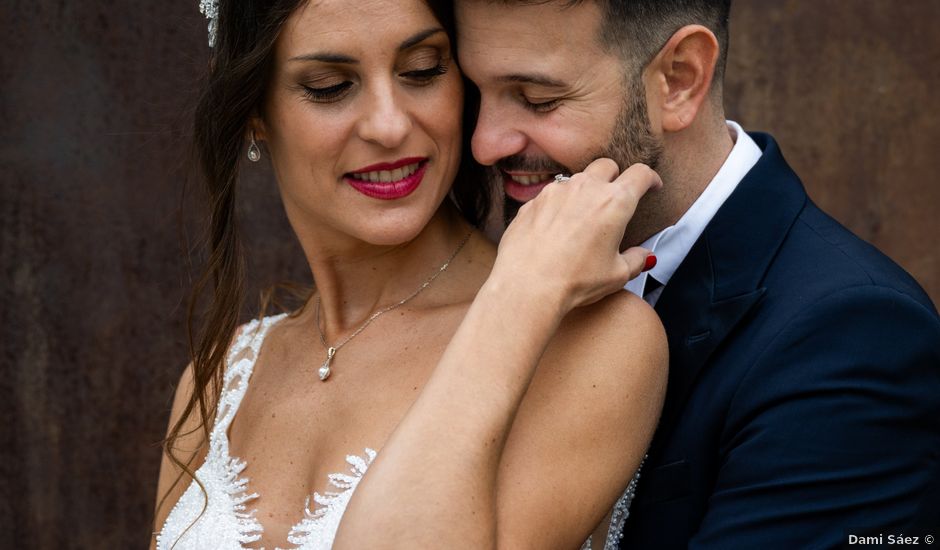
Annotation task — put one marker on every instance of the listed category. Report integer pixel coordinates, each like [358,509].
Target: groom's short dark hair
[638,29]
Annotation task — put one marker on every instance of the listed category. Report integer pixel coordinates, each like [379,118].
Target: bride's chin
[392,234]
[392,230]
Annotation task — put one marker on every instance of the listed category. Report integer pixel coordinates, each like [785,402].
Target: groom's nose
[496,135]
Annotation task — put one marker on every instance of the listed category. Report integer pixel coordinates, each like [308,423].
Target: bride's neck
[354,281]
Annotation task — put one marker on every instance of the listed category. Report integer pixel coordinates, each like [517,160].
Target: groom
[804,385]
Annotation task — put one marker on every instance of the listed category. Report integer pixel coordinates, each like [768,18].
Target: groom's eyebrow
[532,78]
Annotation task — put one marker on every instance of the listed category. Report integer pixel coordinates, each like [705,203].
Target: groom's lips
[524,192]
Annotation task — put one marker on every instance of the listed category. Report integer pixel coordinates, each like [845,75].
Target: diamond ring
[561,178]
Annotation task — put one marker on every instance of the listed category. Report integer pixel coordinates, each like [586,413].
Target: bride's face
[362,118]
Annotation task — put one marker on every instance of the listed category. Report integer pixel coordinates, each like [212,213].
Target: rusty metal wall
[94,102]
[849,89]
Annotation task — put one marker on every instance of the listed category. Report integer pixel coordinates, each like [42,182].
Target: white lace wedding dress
[222,518]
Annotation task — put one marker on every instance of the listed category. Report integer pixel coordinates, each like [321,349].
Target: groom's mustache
[521,163]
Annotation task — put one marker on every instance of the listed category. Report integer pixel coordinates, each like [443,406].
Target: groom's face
[552,97]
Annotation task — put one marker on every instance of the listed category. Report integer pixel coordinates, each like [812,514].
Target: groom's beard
[632,141]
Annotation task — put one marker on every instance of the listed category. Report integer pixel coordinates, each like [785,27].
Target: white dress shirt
[672,244]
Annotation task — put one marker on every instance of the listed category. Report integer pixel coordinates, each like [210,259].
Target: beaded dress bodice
[221,517]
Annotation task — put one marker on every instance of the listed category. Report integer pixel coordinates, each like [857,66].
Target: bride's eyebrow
[326,57]
[419,37]
[329,57]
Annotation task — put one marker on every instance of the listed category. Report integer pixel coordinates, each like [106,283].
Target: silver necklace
[324,371]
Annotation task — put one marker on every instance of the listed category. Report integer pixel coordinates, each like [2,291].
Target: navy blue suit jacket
[804,384]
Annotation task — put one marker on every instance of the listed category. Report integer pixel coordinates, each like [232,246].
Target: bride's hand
[566,241]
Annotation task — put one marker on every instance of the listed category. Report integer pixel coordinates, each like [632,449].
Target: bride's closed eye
[423,65]
[425,76]
[327,93]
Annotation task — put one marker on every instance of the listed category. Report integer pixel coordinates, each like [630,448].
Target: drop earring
[254,152]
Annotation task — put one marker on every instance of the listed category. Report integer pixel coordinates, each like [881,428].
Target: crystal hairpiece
[210,8]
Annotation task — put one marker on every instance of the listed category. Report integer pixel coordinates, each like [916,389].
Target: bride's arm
[583,427]
[435,482]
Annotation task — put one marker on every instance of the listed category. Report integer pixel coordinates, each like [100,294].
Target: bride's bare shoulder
[608,366]
[188,448]
[621,331]
[612,355]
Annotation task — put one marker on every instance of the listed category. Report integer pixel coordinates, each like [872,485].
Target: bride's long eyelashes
[425,76]
[327,94]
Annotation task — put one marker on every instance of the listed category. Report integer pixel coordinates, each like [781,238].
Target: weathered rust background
[94,100]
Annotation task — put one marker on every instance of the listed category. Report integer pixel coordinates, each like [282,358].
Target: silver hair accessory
[210,8]
[561,178]
[254,152]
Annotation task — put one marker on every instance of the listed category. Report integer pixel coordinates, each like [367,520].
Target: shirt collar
[672,244]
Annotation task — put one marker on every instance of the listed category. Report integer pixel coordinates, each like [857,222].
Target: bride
[496,400]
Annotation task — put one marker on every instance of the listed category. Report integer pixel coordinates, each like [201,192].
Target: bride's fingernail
[650,262]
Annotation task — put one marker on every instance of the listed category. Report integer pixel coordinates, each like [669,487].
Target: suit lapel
[719,281]
[696,324]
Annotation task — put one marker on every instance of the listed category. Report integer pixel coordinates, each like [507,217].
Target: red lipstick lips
[388,180]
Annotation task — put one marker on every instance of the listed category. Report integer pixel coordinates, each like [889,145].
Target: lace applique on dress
[219,517]
[322,522]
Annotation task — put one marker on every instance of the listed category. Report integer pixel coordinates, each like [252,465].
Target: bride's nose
[385,119]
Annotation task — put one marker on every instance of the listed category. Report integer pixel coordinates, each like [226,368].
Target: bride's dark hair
[239,71]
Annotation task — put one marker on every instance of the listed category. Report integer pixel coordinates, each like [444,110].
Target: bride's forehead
[352,24]
[341,15]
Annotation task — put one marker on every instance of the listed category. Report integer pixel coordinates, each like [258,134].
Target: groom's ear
[682,74]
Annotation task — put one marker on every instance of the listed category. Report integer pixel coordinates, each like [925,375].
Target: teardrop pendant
[254,152]
[324,371]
